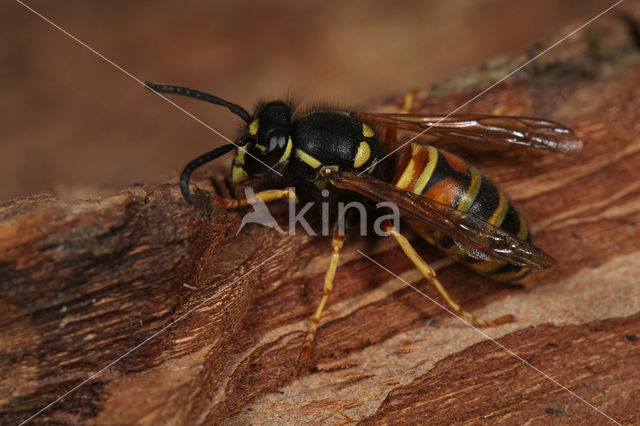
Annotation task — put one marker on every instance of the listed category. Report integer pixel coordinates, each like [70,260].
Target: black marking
[443,170]
[486,202]
[512,222]
[513,270]
[445,242]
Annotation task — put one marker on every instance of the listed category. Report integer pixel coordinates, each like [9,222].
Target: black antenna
[194,164]
[203,159]
[197,94]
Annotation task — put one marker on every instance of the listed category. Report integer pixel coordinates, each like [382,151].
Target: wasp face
[269,145]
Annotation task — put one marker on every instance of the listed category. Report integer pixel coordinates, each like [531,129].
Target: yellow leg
[430,275]
[336,245]
[409,98]
[265,196]
[391,132]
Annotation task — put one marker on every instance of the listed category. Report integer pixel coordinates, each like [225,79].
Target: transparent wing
[482,129]
[466,229]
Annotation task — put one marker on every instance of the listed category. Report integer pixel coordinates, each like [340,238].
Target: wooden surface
[84,282]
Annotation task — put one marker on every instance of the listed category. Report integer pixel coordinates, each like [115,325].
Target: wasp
[446,200]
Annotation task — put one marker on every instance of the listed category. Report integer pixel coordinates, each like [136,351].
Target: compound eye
[277,140]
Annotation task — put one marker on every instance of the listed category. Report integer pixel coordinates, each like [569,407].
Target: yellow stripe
[409,171]
[307,159]
[472,192]
[424,177]
[498,216]
[524,228]
[487,266]
[512,276]
[261,147]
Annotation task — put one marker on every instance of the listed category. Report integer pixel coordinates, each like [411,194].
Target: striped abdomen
[450,180]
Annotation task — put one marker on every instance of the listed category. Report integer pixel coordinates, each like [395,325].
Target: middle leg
[336,246]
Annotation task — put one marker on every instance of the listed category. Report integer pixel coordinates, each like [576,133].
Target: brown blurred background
[73,123]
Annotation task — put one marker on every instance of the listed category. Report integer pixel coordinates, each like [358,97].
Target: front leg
[266,196]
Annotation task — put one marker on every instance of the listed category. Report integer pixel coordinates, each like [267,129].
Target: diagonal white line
[151,337]
[495,341]
[142,82]
[493,85]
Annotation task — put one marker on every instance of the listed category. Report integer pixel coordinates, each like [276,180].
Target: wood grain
[84,282]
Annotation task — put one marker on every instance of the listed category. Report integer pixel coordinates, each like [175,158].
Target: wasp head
[266,144]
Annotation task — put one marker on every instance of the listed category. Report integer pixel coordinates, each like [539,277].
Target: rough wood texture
[84,282]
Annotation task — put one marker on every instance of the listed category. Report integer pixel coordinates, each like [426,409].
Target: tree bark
[216,320]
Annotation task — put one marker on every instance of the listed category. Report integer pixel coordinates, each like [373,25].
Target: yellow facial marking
[253,127]
[261,147]
[367,131]
[238,174]
[362,156]
[287,151]
[239,159]
[307,159]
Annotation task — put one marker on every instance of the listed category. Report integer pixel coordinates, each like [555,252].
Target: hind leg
[409,99]
[391,132]
[430,275]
